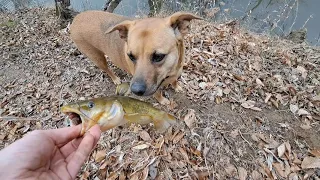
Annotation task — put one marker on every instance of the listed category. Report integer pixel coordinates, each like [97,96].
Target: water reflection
[262,16]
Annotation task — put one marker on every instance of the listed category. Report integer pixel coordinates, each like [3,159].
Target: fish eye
[157,57]
[90,104]
[131,56]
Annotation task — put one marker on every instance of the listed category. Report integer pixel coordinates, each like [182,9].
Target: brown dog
[150,49]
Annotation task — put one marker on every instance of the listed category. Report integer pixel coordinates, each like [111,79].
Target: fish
[123,89]
[113,111]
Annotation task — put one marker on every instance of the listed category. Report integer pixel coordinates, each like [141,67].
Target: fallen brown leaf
[144,135]
[259,82]
[294,108]
[280,169]
[100,155]
[256,175]
[242,173]
[281,150]
[310,162]
[268,96]
[248,104]
[184,154]
[141,147]
[315,152]
[231,170]
[178,137]
[234,133]
[302,112]
[190,118]
[293,176]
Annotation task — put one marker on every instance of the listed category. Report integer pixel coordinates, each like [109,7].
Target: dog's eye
[131,56]
[157,57]
[90,104]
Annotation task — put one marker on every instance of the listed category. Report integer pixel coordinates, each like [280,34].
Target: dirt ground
[249,110]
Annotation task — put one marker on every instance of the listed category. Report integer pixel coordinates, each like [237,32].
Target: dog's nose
[138,88]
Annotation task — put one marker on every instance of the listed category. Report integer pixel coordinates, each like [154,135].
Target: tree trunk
[111,5]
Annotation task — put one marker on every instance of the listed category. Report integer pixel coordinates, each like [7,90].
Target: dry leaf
[248,104]
[141,147]
[202,175]
[145,173]
[310,162]
[184,154]
[144,135]
[242,173]
[288,147]
[303,72]
[153,171]
[293,176]
[203,85]
[190,118]
[306,125]
[100,155]
[268,96]
[255,137]
[315,152]
[256,109]
[238,77]
[303,112]
[2,136]
[280,169]
[231,170]
[259,82]
[234,133]
[293,108]
[281,150]
[122,176]
[85,175]
[178,137]
[275,103]
[256,175]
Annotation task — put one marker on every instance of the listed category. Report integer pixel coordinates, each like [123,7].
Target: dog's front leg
[159,97]
[176,86]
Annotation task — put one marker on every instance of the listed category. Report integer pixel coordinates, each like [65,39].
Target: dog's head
[154,46]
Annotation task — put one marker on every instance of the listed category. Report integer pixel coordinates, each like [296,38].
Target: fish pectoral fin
[161,125]
[138,118]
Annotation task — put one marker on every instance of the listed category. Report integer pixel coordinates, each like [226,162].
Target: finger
[63,135]
[72,146]
[81,154]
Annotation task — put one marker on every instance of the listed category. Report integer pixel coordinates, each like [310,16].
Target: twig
[295,17]
[246,140]
[13,118]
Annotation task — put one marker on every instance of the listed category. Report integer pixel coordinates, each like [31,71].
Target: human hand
[48,154]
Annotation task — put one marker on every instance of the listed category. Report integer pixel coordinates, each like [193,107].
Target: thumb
[82,153]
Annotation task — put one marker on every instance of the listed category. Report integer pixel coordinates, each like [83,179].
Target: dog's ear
[123,29]
[181,20]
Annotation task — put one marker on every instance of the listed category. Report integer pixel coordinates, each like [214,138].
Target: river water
[262,16]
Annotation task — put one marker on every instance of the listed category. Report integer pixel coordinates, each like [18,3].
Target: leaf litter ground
[250,107]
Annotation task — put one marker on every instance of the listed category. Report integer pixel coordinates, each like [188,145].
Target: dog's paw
[178,88]
[116,80]
[164,101]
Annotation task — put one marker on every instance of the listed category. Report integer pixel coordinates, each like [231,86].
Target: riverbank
[250,106]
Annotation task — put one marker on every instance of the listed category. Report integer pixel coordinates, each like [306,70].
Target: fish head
[93,111]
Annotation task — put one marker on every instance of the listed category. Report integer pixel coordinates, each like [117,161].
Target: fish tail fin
[164,122]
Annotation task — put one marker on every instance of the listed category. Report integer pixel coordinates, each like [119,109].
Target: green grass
[10,23]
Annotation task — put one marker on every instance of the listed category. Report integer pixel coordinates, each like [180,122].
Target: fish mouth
[74,116]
